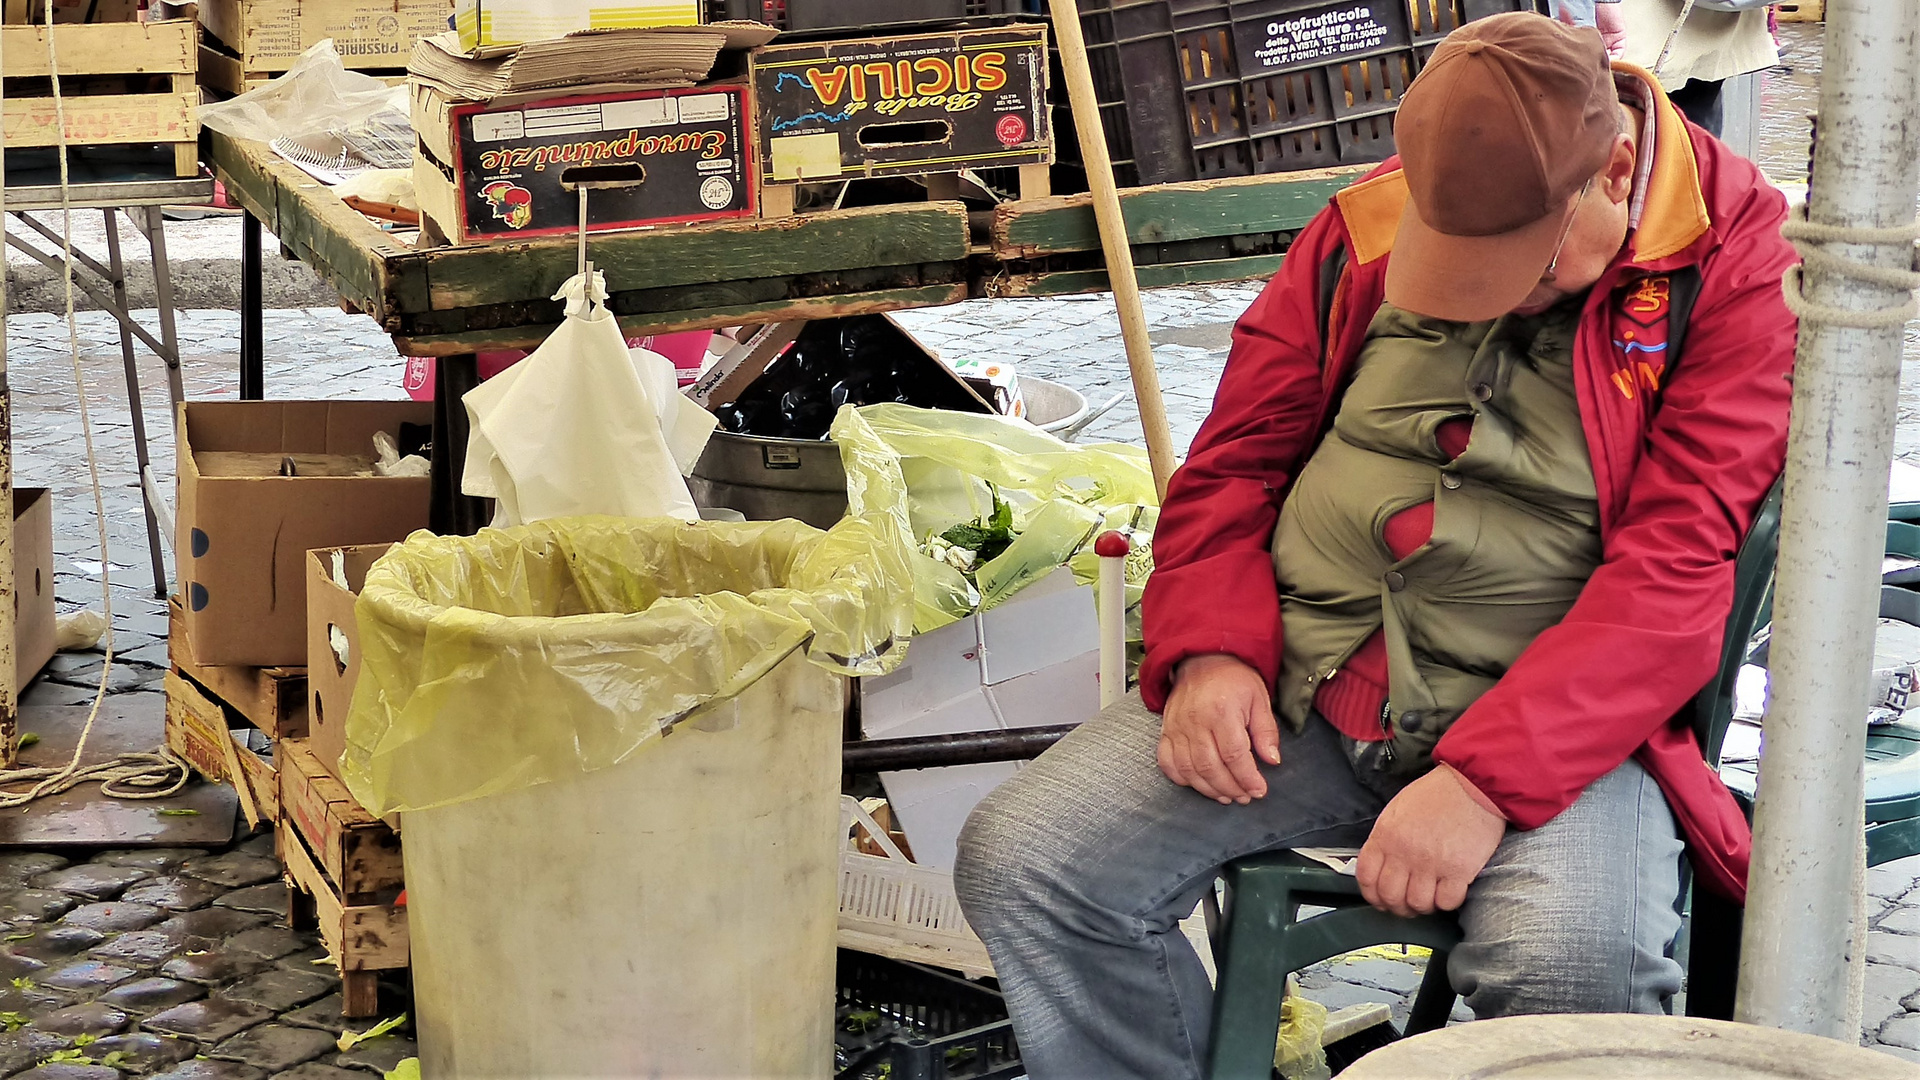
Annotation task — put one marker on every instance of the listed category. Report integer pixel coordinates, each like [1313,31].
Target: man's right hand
[1218,716]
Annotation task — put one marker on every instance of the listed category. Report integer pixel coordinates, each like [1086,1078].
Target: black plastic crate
[860,15]
[1197,89]
[908,1022]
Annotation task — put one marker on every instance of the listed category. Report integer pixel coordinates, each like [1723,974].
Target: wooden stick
[1113,238]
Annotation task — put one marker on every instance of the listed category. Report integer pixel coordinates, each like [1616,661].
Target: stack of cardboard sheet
[672,56]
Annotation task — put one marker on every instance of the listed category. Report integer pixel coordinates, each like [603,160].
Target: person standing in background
[1721,39]
[1603,15]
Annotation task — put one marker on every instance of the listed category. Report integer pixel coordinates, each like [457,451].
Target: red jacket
[1680,464]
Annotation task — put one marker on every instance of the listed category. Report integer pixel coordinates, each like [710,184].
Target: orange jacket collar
[1675,213]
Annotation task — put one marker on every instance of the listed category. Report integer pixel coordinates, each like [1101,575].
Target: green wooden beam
[526,337]
[1170,212]
[1209,272]
[718,252]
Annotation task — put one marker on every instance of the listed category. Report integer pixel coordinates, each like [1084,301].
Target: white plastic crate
[892,907]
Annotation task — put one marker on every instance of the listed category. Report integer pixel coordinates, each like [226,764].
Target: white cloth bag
[584,426]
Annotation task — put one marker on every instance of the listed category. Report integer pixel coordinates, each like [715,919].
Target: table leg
[156,231]
[453,514]
[136,410]
[253,348]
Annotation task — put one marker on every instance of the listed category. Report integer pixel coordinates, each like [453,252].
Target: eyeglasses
[1567,232]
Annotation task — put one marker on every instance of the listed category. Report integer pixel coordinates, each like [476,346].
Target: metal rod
[584,264]
[1114,241]
[156,232]
[253,345]
[1793,967]
[939,751]
[136,408]
[102,300]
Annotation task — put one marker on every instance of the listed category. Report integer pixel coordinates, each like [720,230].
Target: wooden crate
[272,699]
[366,938]
[100,66]
[198,730]
[358,852]
[251,41]
[1803,11]
[222,71]
[778,200]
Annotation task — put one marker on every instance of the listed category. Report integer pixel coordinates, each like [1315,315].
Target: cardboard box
[333,645]
[244,530]
[269,35]
[492,24]
[490,172]
[901,106]
[33,610]
[1034,661]
[994,380]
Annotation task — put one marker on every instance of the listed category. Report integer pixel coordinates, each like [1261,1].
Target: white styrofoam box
[1046,624]
[1066,693]
[1048,672]
[931,805]
[940,666]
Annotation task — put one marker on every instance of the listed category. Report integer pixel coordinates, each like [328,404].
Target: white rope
[152,775]
[1807,236]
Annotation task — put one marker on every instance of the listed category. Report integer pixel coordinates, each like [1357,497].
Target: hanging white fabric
[584,426]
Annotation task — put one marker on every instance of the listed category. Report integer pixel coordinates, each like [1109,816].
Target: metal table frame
[140,202]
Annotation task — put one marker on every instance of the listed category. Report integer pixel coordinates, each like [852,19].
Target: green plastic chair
[1262,938]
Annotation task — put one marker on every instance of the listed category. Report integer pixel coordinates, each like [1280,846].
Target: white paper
[1339,859]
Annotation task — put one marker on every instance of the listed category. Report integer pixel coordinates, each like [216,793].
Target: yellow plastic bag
[495,662]
[1298,1053]
[926,471]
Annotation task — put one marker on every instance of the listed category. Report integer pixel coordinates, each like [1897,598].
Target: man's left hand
[1431,841]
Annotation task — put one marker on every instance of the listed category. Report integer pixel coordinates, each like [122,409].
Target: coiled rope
[1807,236]
[153,775]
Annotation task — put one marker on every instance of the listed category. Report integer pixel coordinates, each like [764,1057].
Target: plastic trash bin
[614,751]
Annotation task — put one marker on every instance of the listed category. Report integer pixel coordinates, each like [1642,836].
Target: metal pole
[1866,166]
[253,346]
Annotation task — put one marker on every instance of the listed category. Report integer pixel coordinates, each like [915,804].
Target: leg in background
[1077,872]
[451,513]
[253,346]
[1701,102]
[1579,915]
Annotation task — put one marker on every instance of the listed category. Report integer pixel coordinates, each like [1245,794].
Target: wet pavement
[175,961]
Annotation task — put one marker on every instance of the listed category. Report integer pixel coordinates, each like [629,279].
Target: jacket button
[1411,720]
[1482,391]
[1450,481]
[1395,581]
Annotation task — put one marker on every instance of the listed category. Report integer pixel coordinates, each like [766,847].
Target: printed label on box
[908,105]
[685,147]
[1316,37]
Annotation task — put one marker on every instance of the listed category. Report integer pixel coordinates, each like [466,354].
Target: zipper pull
[1386,728]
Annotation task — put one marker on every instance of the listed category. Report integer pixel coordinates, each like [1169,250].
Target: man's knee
[994,870]
[1538,967]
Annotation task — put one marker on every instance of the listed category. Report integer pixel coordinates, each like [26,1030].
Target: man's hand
[1611,21]
[1217,718]
[1430,843]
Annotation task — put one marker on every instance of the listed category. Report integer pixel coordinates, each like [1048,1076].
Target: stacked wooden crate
[248,42]
[248,726]
[121,83]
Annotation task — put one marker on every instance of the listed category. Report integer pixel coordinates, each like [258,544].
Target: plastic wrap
[926,471]
[317,94]
[516,657]
[1298,1053]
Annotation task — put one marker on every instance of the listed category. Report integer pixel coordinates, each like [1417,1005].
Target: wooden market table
[453,302]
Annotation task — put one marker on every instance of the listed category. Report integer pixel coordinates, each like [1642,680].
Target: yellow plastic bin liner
[517,657]
[924,471]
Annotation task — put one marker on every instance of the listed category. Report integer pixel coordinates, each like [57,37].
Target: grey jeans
[1077,872]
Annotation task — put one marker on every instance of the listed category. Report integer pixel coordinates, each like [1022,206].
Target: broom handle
[1113,240]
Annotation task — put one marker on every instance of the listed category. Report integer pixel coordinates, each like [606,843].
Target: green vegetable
[986,539]
[14,1021]
[407,1069]
[27,738]
[68,1057]
[178,812]
[23,983]
[118,1059]
[85,1040]
[349,1039]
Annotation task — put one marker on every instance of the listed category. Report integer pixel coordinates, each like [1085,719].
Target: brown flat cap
[1510,119]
